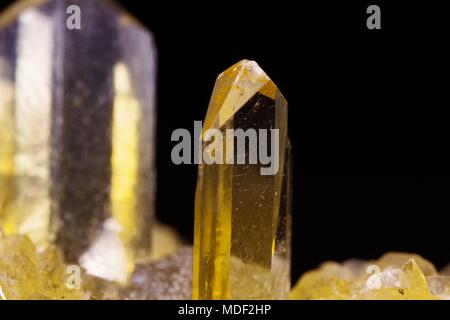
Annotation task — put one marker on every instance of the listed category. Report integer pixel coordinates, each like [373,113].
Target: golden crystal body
[242,217]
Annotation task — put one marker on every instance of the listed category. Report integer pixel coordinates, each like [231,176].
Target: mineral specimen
[169,278]
[242,214]
[27,275]
[395,276]
[77,132]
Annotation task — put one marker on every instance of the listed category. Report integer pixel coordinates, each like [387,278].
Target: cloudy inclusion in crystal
[242,218]
[77,132]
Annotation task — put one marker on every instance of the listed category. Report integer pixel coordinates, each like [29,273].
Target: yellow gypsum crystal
[26,274]
[395,276]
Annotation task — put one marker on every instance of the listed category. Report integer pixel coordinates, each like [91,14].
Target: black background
[367,115]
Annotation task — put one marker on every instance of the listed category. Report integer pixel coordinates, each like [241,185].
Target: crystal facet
[76,132]
[242,217]
[169,278]
[395,276]
[26,274]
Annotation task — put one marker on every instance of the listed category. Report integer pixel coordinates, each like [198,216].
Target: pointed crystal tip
[247,71]
[250,66]
[242,218]
[233,89]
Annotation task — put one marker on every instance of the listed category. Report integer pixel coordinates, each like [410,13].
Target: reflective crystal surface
[77,132]
[242,216]
[395,276]
[26,274]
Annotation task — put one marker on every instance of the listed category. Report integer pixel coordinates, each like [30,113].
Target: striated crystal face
[395,276]
[242,216]
[77,132]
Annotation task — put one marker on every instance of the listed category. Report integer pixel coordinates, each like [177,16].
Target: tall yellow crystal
[242,213]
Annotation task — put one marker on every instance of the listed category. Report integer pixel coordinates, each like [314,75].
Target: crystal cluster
[26,274]
[242,217]
[77,132]
[395,276]
[77,178]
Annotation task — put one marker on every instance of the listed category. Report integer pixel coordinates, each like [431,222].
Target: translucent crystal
[26,274]
[77,132]
[399,259]
[242,218]
[439,286]
[395,276]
